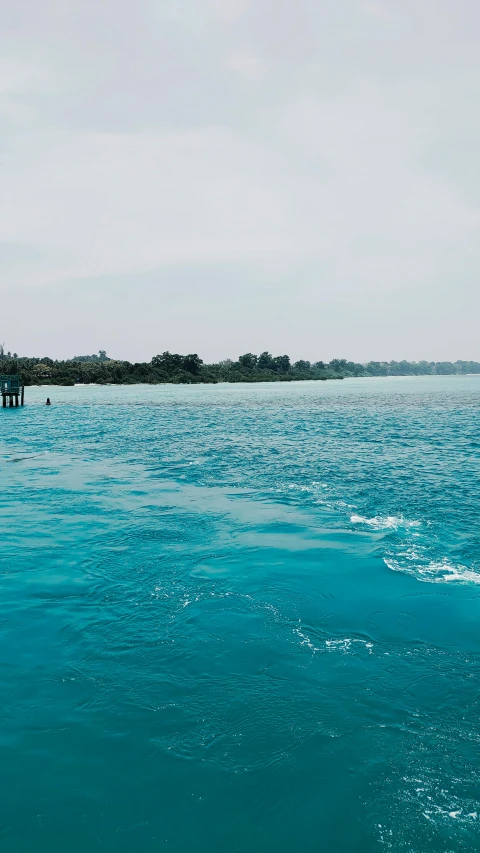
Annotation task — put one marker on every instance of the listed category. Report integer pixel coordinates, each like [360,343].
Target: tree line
[185,369]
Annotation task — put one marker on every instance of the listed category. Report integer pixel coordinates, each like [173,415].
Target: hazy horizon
[223,176]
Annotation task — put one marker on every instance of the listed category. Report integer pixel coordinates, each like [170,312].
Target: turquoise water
[241,618]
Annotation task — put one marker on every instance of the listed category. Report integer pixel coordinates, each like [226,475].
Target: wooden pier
[12,389]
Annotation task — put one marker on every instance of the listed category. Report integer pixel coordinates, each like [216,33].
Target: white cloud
[247,64]
[230,10]
[113,203]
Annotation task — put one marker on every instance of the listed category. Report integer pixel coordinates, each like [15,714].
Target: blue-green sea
[241,618]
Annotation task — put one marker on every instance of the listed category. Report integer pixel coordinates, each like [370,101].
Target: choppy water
[241,618]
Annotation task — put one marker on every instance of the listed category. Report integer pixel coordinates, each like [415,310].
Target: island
[174,368]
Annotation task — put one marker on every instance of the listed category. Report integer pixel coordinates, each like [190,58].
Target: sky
[226,176]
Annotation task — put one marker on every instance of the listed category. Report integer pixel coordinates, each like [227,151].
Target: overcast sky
[224,176]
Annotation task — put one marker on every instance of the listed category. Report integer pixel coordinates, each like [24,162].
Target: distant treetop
[102,356]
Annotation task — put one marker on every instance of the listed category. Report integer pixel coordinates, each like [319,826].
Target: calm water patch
[241,618]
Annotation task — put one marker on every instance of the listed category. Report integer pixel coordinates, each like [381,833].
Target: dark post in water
[11,388]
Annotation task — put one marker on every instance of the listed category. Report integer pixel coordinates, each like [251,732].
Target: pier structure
[12,389]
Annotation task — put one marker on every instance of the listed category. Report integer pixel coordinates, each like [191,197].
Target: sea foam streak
[418,560]
[435,571]
[385,522]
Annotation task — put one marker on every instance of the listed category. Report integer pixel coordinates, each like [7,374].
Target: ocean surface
[241,618]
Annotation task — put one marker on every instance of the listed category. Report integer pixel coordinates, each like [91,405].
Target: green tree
[249,360]
[192,363]
[281,363]
[265,361]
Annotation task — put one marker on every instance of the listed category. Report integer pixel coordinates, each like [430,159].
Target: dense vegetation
[174,368]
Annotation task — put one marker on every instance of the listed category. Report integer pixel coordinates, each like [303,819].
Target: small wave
[439,803]
[346,644]
[385,522]
[435,571]
[343,644]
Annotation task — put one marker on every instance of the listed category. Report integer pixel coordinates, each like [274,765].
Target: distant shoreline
[224,383]
[175,369]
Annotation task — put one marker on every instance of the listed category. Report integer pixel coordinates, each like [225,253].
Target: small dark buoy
[48,403]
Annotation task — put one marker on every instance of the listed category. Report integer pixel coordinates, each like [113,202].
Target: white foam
[343,644]
[385,522]
[435,571]
[305,640]
[436,811]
